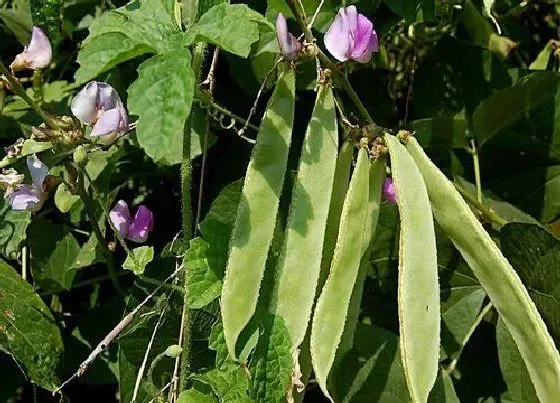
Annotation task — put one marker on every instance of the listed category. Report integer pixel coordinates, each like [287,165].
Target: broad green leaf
[232,27]
[372,371]
[509,105]
[271,366]
[217,342]
[89,254]
[230,386]
[332,305]
[162,105]
[340,186]
[501,283]
[142,256]
[13,227]
[513,368]
[300,262]
[47,15]
[376,178]
[27,329]
[444,391]
[18,20]
[441,132]
[541,62]
[418,292]
[142,26]
[63,199]
[256,215]
[534,253]
[195,396]
[53,252]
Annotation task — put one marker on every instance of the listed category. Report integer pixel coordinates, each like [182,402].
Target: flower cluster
[351,36]
[23,196]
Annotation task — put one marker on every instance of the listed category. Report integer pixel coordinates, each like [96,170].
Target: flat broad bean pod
[418,290]
[497,277]
[300,262]
[256,215]
[332,306]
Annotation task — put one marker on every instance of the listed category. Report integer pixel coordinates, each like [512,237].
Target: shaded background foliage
[432,75]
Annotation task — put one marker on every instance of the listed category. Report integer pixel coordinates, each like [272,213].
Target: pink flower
[289,45]
[389,191]
[99,105]
[36,55]
[30,197]
[351,36]
[136,229]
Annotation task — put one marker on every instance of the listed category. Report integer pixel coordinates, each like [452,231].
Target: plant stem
[329,64]
[97,231]
[476,163]
[17,88]
[186,183]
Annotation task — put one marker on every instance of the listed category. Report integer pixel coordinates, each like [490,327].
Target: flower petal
[108,123]
[85,104]
[141,225]
[26,197]
[37,169]
[362,49]
[36,55]
[108,98]
[120,217]
[389,191]
[289,45]
[337,39]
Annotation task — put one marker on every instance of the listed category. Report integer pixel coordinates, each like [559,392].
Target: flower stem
[97,231]
[17,88]
[187,218]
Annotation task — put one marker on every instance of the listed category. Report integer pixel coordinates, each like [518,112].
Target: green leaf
[332,305]
[53,252]
[513,368]
[300,261]
[418,291]
[232,27]
[27,329]
[229,386]
[18,20]
[205,266]
[502,284]
[47,14]
[443,391]
[534,253]
[63,199]
[142,26]
[143,255]
[13,227]
[441,132]
[541,62]
[89,254]
[509,105]
[256,216]
[161,97]
[271,366]
[195,396]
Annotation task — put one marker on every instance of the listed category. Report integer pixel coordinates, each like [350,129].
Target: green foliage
[418,295]
[256,215]
[27,329]
[47,14]
[13,226]
[139,258]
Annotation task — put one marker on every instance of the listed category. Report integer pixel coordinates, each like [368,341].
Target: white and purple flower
[99,105]
[36,55]
[30,197]
[134,229]
[288,43]
[351,36]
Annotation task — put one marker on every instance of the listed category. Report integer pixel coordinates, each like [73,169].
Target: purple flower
[99,105]
[289,45]
[36,55]
[351,36]
[30,197]
[136,229]
[389,191]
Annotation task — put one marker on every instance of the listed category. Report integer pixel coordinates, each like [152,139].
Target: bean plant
[279,201]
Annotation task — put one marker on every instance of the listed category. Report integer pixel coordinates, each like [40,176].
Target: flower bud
[289,45]
[389,191]
[80,156]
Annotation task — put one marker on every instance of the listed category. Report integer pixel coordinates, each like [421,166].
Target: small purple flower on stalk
[389,191]
[99,105]
[36,55]
[30,197]
[136,229]
[351,36]
[288,43]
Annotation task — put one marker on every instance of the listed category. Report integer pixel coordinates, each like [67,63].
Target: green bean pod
[300,262]
[256,215]
[332,306]
[497,277]
[418,291]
